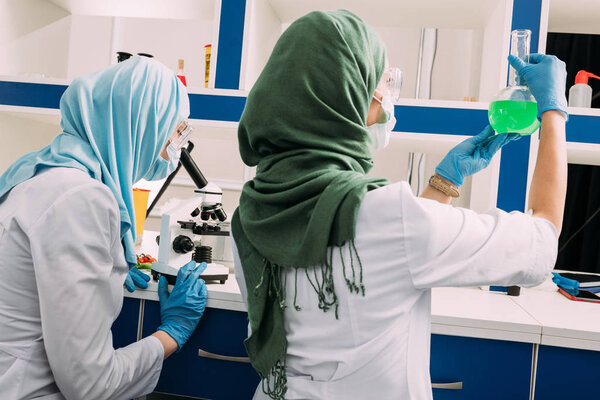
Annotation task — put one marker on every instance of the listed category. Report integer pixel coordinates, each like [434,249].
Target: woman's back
[28,227]
[379,345]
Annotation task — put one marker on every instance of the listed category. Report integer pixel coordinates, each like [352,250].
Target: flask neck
[515,79]
[520,42]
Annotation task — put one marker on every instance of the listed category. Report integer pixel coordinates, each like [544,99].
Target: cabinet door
[185,373]
[125,327]
[563,373]
[488,369]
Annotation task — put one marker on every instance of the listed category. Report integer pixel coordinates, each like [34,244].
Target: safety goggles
[184,129]
[390,84]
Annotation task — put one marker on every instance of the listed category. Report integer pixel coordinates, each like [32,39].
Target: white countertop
[539,315]
[224,296]
[473,312]
[564,322]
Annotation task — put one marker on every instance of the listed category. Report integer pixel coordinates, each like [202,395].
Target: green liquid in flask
[512,116]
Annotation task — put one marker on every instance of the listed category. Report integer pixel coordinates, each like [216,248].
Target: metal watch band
[444,187]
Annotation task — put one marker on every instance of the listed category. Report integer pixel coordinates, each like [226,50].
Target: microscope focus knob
[182,244]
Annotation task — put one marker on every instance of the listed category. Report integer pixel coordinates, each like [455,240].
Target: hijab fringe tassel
[321,279]
[274,384]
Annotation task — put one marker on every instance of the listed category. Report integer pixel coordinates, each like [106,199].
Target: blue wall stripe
[527,15]
[512,182]
[231,35]
[202,106]
[514,164]
[583,129]
[452,121]
[30,94]
[217,108]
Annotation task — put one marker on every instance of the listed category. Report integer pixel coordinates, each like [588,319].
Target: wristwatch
[444,186]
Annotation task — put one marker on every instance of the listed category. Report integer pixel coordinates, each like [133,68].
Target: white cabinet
[472,42]
[67,38]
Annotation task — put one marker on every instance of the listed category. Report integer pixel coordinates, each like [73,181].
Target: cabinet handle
[447,386]
[206,354]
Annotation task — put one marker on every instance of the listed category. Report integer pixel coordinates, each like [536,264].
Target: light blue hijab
[114,124]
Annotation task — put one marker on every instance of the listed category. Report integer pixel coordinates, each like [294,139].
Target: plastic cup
[140,205]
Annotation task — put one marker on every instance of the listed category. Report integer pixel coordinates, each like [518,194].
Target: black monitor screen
[579,242]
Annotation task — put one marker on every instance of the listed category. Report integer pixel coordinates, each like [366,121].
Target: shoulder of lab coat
[76,249]
[443,245]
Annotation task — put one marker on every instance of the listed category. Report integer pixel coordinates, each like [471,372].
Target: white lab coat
[379,347]
[62,267]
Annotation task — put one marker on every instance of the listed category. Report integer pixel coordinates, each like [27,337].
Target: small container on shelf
[123,55]
[580,94]
[180,73]
[207,50]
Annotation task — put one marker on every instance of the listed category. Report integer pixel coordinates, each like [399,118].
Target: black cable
[579,230]
[411,156]
[419,173]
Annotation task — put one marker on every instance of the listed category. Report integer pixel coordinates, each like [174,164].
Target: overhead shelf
[458,14]
[227,106]
[472,39]
[46,116]
[172,9]
[64,39]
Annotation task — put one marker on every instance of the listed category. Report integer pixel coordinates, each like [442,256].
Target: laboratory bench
[483,344]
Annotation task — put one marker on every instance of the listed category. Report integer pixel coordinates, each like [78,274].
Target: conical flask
[514,109]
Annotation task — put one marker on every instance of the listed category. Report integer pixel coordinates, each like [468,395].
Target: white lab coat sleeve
[71,249]
[450,246]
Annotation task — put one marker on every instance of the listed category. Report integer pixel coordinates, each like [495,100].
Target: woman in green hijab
[336,266]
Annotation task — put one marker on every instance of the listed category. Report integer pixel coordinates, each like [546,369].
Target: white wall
[89,45]
[459,70]
[168,41]
[496,42]
[457,64]
[96,39]
[41,39]
[29,33]
[24,133]
[216,153]
[261,32]
[392,163]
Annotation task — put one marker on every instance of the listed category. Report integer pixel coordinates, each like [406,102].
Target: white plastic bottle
[580,94]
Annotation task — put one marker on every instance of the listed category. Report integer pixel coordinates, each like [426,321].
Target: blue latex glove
[546,77]
[181,310]
[472,155]
[135,278]
[564,283]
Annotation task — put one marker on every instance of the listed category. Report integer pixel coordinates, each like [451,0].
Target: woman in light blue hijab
[67,230]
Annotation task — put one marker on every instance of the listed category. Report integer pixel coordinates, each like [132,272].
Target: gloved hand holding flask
[472,155]
[546,78]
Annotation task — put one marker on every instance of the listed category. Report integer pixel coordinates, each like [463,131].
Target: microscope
[185,227]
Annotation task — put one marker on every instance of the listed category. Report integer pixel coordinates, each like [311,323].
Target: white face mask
[173,154]
[380,132]
[163,168]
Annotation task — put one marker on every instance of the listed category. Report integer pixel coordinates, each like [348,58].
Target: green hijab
[304,127]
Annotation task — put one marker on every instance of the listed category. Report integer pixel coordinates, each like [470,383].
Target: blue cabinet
[563,373]
[488,369]
[185,373]
[125,328]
